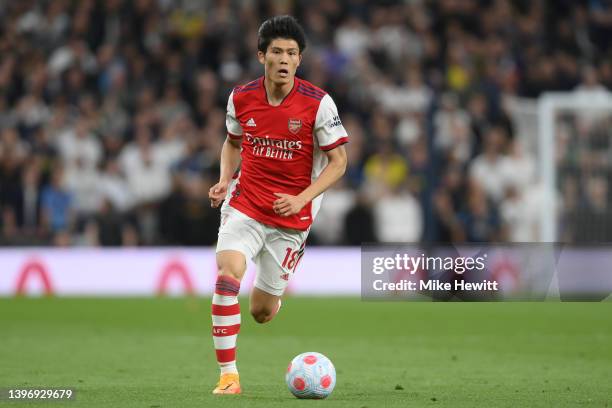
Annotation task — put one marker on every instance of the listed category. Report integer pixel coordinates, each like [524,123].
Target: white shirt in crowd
[329,224]
[148,171]
[82,183]
[399,218]
[86,149]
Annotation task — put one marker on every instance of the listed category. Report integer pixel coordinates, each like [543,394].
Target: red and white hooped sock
[226,322]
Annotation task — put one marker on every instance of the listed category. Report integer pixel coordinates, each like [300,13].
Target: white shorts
[275,251]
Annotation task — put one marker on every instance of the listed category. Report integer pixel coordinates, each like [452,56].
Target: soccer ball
[311,375]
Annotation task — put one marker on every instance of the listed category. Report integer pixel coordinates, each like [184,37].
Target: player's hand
[287,205]
[217,193]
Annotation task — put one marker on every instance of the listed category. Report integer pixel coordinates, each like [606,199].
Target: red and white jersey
[283,148]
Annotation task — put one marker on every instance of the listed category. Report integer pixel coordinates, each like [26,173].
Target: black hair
[280,27]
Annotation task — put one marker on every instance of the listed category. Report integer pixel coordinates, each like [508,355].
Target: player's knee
[232,273]
[232,268]
[261,314]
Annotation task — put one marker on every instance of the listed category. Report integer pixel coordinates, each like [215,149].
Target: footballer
[284,148]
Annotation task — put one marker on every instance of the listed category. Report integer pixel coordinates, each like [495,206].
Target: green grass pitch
[156,353]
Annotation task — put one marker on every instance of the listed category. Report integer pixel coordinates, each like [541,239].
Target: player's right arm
[230,159]
[230,155]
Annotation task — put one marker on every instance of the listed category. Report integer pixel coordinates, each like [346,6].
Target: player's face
[281,60]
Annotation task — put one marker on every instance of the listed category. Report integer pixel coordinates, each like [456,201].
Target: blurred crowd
[584,154]
[112,113]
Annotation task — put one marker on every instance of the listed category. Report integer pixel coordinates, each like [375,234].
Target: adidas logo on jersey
[251,122]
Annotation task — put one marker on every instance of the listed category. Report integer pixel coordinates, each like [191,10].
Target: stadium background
[112,120]
[112,115]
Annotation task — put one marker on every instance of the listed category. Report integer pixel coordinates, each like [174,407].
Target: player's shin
[226,322]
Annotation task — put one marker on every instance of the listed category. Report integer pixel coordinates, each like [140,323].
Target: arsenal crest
[295,125]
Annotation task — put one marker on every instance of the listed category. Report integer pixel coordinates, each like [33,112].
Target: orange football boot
[228,384]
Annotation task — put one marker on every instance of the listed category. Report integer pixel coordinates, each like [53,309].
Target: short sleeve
[328,127]
[234,130]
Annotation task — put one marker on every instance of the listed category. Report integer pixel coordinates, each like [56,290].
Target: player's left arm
[287,204]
